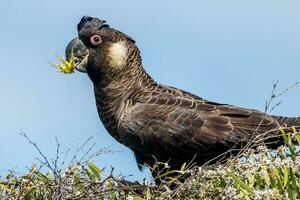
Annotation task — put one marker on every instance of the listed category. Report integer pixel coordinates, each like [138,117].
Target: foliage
[66,66]
[256,174]
[77,182]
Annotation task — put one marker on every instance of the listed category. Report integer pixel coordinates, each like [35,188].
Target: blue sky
[225,51]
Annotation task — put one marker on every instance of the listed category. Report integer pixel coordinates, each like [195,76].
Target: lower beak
[80,53]
[81,66]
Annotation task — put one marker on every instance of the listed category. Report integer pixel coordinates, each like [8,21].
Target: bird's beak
[79,52]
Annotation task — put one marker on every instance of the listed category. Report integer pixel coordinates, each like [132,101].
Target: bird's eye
[95,40]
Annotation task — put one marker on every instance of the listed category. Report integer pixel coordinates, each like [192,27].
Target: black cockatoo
[159,122]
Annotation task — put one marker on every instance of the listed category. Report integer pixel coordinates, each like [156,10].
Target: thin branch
[46,161]
[80,148]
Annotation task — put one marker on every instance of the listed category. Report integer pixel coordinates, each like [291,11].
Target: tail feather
[288,121]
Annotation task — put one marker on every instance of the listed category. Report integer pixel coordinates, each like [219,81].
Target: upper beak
[80,53]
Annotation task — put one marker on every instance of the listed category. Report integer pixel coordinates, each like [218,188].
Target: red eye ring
[95,40]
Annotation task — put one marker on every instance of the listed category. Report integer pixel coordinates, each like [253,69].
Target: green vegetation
[258,173]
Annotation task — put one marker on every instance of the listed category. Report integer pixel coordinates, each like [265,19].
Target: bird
[159,122]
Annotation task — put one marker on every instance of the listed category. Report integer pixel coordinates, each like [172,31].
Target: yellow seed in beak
[66,66]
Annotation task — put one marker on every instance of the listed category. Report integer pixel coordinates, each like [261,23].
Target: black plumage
[159,122]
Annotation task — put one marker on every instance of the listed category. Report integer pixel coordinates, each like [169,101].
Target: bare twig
[57,155]
[275,95]
[46,161]
[80,149]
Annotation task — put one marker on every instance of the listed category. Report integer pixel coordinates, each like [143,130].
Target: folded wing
[173,123]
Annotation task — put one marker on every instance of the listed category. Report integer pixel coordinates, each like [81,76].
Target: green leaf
[148,194]
[164,175]
[285,175]
[240,183]
[297,136]
[284,135]
[259,180]
[276,173]
[272,178]
[266,177]
[28,196]
[293,183]
[251,179]
[183,167]
[222,183]
[95,171]
[154,167]
[89,173]
[138,198]
[42,177]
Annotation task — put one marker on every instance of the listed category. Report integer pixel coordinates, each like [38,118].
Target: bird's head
[99,49]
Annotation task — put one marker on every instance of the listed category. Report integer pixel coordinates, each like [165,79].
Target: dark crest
[86,19]
[96,25]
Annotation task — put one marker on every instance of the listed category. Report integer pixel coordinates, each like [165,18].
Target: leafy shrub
[258,173]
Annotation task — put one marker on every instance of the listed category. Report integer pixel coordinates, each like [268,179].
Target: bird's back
[176,126]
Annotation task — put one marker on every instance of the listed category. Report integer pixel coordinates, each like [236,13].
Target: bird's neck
[112,93]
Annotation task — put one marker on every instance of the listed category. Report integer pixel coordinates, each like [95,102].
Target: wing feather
[167,122]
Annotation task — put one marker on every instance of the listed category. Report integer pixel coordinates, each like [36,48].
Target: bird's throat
[111,94]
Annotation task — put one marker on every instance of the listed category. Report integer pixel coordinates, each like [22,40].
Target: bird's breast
[109,106]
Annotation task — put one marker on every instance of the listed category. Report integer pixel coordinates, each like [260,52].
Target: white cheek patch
[117,53]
